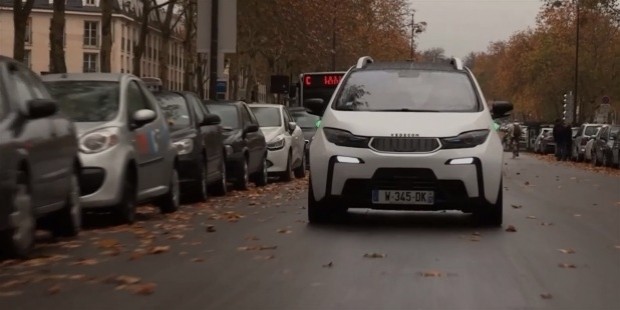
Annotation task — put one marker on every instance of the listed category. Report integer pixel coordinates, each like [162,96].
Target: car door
[146,143]
[35,137]
[255,140]
[213,141]
[297,137]
[599,144]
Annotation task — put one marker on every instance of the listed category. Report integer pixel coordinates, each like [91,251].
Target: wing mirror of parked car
[211,119]
[39,108]
[501,109]
[250,128]
[315,106]
[292,126]
[142,117]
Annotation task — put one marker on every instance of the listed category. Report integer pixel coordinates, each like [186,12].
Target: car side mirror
[142,117]
[315,106]
[211,119]
[40,108]
[251,128]
[501,109]
[292,126]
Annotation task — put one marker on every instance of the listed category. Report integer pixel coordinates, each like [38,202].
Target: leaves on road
[256,248]
[531,217]
[142,289]
[374,255]
[329,265]
[284,231]
[567,251]
[567,265]
[85,262]
[517,206]
[546,224]
[546,296]
[511,228]
[430,274]
[54,289]
[10,293]
[210,228]
[127,280]
[265,257]
[198,260]
[159,249]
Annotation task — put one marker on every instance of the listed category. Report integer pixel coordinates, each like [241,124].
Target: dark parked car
[197,135]
[605,148]
[308,123]
[39,165]
[247,149]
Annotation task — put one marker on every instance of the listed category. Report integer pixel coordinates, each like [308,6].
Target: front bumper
[277,160]
[456,186]
[102,178]
[189,168]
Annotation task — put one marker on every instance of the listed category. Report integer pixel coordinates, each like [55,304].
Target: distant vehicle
[285,141]
[246,158]
[318,85]
[198,138]
[544,143]
[125,144]
[588,154]
[308,123]
[585,133]
[605,148]
[39,165]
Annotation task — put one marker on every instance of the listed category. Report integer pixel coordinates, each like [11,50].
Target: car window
[228,114]
[23,89]
[38,88]
[415,90]
[245,115]
[267,116]
[198,108]
[305,120]
[87,101]
[591,130]
[135,99]
[175,109]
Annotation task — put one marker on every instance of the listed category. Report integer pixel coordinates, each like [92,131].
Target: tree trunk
[106,36]
[188,44]
[20,19]
[57,37]
[164,56]
[138,50]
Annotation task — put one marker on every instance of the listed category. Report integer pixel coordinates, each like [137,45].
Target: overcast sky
[463,26]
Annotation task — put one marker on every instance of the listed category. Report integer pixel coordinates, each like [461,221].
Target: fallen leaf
[566,265]
[517,206]
[527,183]
[567,251]
[476,234]
[85,262]
[531,217]
[159,249]
[546,296]
[210,228]
[577,215]
[79,277]
[511,228]
[143,289]
[12,283]
[546,224]
[474,238]
[262,248]
[136,255]
[252,238]
[617,247]
[330,265]
[10,293]
[54,289]
[176,237]
[127,280]
[284,231]
[108,243]
[267,257]
[198,260]
[430,273]
[374,255]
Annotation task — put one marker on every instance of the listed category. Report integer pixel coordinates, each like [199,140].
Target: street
[559,248]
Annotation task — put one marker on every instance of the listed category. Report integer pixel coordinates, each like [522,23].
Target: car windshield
[267,116]
[228,114]
[175,108]
[592,130]
[305,120]
[87,101]
[408,91]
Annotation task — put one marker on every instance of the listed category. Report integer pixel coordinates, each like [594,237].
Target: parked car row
[104,142]
[603,149]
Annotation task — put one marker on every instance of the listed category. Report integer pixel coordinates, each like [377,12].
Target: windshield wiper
[404,110]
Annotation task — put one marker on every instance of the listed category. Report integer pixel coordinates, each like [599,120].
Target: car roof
[410,65]
[94,76]
[224,102]
[265,105]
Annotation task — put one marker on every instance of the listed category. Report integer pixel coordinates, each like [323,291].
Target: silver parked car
[124,141]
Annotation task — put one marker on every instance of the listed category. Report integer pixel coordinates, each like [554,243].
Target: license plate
[403,197]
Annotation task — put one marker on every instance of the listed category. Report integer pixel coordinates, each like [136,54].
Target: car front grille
[405,145]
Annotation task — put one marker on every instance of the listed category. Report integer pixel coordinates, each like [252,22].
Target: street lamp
[559,3]
[415,28]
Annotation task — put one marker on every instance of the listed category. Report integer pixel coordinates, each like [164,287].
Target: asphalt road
[260,253]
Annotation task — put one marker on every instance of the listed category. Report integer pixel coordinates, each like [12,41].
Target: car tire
[67,221]
[243,178]
[221,188]
[125,211]
[198,189]
[288,174]
[170,202]
[17,242]
[262,176]
[492,214]
[300,172]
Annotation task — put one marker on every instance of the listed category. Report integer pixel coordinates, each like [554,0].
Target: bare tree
[57,38]
[106,35]
[21,13]
[148,6]
[167,27]
[189,44]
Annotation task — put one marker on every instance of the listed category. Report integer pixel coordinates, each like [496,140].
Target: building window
[91,33]
[28,35]
[28,58]
[89,2]
[91,62]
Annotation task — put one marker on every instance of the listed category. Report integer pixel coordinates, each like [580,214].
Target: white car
[285,141]
[406,136]
[587,155]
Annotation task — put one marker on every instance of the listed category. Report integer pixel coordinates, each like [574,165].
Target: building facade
[83,39]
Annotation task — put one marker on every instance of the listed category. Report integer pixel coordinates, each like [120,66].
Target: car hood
[271,132]
[422,124]
[86,127]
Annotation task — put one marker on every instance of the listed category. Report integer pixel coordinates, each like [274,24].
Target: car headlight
[345,138]
[465,140]
[99,140]
[184,146]
[276,143]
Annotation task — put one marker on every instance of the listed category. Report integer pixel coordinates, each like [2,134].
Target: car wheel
[198,191]
[125,212]
[67,222]
[288,174]
[262,177]
[300,172]
[243,178]
[221,187]
[170,202]
[492,214]
[19,240]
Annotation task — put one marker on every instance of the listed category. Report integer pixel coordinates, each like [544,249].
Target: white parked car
[589,151]
[285,141]
[406,136]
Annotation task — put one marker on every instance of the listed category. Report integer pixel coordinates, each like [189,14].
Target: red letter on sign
[308,80]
